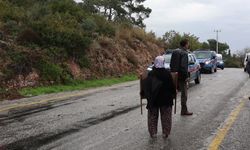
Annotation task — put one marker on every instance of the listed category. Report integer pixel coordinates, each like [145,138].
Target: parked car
[193,67]
[207,60]
[245,61]
[220,62]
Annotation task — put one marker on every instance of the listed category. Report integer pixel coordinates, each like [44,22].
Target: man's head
[184,43]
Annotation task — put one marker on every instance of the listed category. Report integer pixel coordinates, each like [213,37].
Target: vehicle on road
[207,60]
[245,61]
[193,66]
[220,62]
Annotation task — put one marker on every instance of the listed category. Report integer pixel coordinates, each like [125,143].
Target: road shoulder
[37,101]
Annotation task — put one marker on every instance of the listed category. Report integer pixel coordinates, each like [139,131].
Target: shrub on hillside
[105,41]
[84,62]
[132,59]
[104,27]
[233,62]
[124,33]
[139,34]
[28,36]
[49,71]
[11,27]
[89,25]
[9,12]
[56,54]
[21,64]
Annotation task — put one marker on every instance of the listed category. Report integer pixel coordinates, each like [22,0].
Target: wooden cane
[141,93]
[141,107]
[175,79]
[175,105]
[176,84]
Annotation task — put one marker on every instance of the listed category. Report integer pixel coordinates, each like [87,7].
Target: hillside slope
[57,41]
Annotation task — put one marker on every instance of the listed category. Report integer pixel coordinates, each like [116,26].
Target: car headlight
[207,62]
[149,69]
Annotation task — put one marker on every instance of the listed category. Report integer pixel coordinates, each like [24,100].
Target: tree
[222,46]
[137,12]
[173,38]
[119,10]
[194,43]
[205,45]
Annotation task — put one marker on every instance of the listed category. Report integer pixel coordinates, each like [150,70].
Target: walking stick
[175,79]
[141,93]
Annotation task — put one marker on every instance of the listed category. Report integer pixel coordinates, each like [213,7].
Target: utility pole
[217,38]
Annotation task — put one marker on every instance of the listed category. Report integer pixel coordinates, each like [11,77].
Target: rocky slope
[106,57]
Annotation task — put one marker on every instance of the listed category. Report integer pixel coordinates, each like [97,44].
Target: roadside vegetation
[172,39]
[77,85]
[43,36]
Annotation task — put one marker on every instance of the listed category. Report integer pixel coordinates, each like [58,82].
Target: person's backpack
[150,87]
[175,61]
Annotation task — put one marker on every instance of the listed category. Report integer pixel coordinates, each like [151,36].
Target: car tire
[245,70]
[198,79]
[211,70]
[215,70]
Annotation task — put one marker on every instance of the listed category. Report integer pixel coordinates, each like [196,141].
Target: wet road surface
[110,119]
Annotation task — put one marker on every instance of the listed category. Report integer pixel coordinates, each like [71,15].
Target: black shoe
[165,136]
[187,113]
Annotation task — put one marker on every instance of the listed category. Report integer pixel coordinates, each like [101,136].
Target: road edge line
[222,132]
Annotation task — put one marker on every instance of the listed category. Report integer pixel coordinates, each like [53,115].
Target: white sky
[202,17]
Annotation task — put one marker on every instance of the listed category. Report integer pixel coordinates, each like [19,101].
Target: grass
[78,85]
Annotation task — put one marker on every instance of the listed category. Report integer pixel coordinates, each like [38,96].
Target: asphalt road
[110,119]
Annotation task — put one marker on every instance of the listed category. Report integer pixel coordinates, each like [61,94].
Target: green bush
[104,27]
[56,54]
[233,62]
[55,32]
[21,64]
[49,71]
[28,36]
[9,12]
[89,25]
[8,74]
[84,62]
[11,27]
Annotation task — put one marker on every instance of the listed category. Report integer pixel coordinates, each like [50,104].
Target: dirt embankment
[109,57]
[106,57]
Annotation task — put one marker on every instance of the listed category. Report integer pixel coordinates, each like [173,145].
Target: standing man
[179,63]
[248,66]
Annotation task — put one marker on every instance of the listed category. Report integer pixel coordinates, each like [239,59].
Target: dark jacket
[248,66]
[161,88]
[179,63]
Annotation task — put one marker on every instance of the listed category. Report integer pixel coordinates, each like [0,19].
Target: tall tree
[173,38]
[205,45]
[223,47]
[132,11]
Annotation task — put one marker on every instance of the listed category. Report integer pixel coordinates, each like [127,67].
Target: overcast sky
[202,17]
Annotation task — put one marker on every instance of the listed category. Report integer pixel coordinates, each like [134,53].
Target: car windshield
[202,55]
[167,58]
